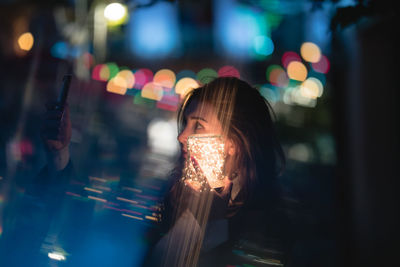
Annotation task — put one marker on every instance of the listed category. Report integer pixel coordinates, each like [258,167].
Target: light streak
[56,256]
[151,218]
[97,198]
[93,190]
[131,216]
[127,200]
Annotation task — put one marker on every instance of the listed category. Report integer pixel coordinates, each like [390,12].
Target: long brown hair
[247,119]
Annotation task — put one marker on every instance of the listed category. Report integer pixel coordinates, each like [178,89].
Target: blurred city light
[288,57]
[311,88]
[56,256]
[25,41]
[165,78]
[152,91]
[297,71]
[142,76]
[100,73]
[153,32]
[115,13]
[162,136]
[310,52]
[184,85]
[240,31]
[228,71]
[128,76]
[206,75]
[323,65]
[276,75]
[117,85]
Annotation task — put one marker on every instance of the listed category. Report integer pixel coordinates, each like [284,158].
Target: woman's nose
[182,137]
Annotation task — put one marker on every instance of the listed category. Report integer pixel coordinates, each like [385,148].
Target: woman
[202,221]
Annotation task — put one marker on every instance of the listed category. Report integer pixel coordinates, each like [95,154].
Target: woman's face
[201,118]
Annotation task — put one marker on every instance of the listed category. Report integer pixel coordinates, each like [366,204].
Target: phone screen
[209,153]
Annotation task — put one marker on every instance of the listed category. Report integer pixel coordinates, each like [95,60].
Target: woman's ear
[230,147]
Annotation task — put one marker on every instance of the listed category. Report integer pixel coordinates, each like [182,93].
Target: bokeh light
[169,102]
[142,76]
[311,88]
[152,91]
[165,78]
[206,75]
[228,71]
[117,85]
[263,45]
[288,57]
[310,52]
[276,75]
[115,13]
[101,73]
[25,41]
[297,71]
[184,85]
[322,66]
[128,76]
[270,93]
[113,69]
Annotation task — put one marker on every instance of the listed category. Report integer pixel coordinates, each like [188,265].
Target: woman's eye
[198,126]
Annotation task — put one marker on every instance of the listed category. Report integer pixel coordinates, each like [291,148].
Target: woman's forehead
[200,109]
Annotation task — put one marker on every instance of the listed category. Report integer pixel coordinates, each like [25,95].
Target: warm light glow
[165,78]
[25,41]
[56,256]
[184,85]
[115,13]
[228,71]
[128,76]
[117,85]
[297,71]
[277,76]
[152,91]
[208,152]
[311,88]
[310,52]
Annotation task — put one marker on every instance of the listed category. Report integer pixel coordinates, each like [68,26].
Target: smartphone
[62,97]
[208,151]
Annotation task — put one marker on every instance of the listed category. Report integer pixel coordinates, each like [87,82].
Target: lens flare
[310,52]
[297,71]
[184,85]
[165,78]
[228,71]
[152,91]
[25,41]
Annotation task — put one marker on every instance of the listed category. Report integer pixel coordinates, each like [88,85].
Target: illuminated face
[202,119]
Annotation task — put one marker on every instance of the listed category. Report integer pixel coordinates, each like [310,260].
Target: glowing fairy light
[25,41]
[208,152]
[310,52]
[297,71]
[56,256]
[165,78]
[115,13]
[184,85]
